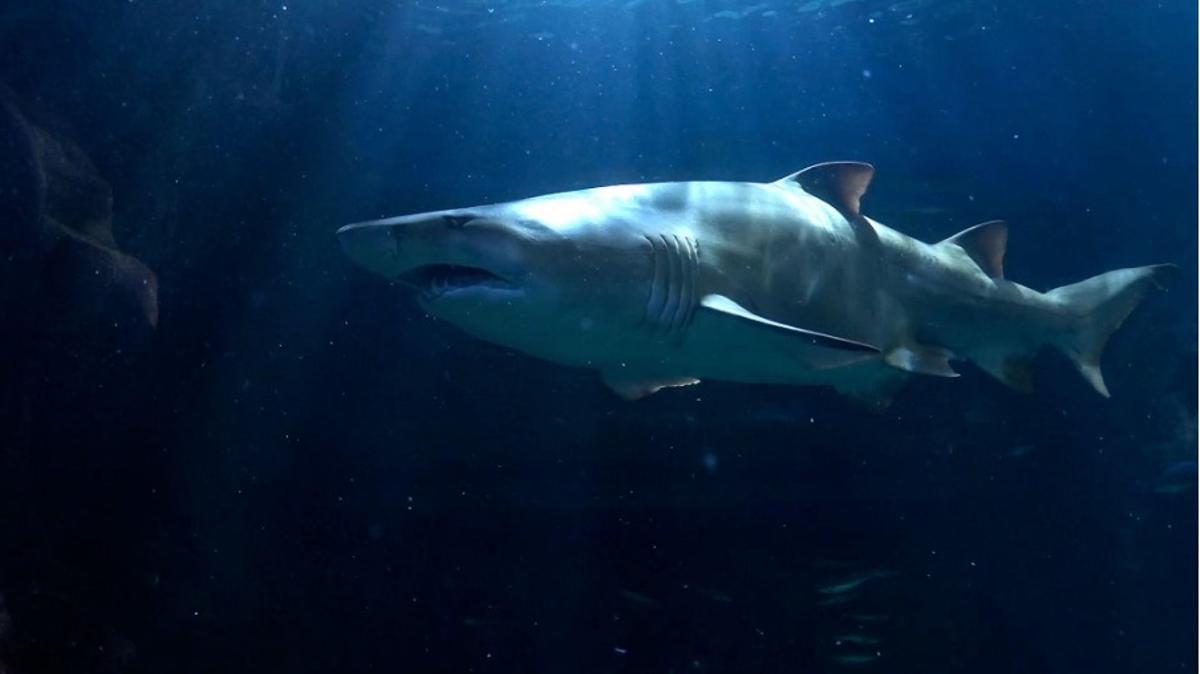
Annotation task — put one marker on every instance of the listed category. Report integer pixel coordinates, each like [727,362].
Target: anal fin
[921,359]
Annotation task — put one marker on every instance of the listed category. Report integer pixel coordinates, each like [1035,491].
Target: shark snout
[440,253]
[372,246]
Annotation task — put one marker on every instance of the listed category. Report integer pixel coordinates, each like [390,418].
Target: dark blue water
[297,470]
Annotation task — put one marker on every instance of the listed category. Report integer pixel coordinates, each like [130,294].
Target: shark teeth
[437,280]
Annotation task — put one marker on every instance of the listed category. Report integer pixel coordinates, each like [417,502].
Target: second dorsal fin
[985,243]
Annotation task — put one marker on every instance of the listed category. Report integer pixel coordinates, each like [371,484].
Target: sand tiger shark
[786,282]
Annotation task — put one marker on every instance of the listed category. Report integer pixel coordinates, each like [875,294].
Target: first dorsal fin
[840,184]
[986,244]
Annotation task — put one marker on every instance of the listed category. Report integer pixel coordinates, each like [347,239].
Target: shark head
[516,274]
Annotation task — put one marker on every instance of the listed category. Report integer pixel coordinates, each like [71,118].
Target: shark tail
[1096,307]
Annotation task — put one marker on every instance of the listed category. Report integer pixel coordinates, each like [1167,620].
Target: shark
[786,282]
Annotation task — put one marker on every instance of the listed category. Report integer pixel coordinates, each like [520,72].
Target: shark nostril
[456,221]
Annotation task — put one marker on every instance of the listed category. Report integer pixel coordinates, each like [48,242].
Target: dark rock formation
[78,315]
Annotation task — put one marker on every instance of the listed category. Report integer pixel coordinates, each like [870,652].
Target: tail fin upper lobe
[1096,307]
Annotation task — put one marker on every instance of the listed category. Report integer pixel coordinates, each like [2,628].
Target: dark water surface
[297,470]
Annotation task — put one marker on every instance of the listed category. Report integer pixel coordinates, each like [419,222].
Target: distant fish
[869,617]
[739,14]
[928,211]
[1181,469]
[641,599]
[854,582]
[855,640]
[832,564]
[1172,488]
[718,596]
[855,659]
[838,599]
[1178,478]
[1020,450]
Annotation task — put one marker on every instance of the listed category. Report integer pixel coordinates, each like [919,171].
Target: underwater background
[225,448]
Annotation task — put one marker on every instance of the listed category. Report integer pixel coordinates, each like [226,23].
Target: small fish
[718,596]
[927,211]
[869,617]
[639,598]
[831,563]
[854,582]
[1172,488]
[1020,450]
[838,599]
[1178,478]
[856,639]
[855,659]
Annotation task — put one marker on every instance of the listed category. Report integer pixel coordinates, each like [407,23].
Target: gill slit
[672,297]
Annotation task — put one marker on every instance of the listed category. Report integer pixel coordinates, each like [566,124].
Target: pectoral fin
[723,306]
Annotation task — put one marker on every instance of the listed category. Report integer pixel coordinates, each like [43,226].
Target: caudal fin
[1096,307]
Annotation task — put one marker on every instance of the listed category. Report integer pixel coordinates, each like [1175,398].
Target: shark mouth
[436,280]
